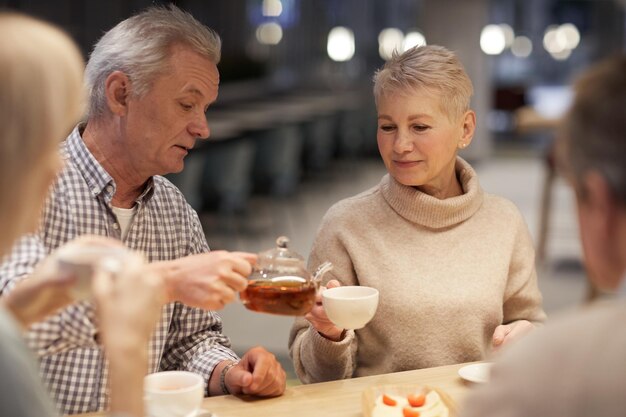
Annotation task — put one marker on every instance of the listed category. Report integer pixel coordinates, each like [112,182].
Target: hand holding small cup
[86,256]
[339,308]
[318,318]
[60,279]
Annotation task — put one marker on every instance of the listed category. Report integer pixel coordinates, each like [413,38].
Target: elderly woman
[453,264]
[40,99]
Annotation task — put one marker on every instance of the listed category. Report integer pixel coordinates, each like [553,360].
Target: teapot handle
[321,270]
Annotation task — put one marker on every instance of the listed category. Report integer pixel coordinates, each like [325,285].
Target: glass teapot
[281,284]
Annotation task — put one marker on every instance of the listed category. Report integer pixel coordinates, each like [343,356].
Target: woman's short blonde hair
[40,99]
[429,67]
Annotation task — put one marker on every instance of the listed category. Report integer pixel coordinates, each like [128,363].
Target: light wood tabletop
[332,399]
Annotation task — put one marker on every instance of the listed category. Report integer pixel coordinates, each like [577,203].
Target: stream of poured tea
[288,296]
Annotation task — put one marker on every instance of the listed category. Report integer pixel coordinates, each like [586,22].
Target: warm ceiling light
[412,39]
[272,8]
[522,47]
[269,33]
[389,40]
[492,40]
[340,46]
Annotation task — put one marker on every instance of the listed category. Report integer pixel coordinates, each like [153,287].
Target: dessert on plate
[406,401]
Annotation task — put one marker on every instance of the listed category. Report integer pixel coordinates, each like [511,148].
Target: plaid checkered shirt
[165,227]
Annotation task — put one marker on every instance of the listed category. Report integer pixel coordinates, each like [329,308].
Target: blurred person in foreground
[41,97]
[576,366]
[150,80]
[453,264]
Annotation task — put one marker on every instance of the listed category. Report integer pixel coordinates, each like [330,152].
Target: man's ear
[117,90]
[601,220]
[601,203]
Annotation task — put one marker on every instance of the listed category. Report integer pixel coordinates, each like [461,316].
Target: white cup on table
[350,307]
[173,394]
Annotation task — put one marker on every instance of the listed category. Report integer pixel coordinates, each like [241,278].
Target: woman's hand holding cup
[320,321]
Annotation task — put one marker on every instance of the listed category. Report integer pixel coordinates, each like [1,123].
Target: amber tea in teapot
[280,283]
[290,296]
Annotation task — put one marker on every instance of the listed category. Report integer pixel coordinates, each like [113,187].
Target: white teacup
[173,394]
[84,261]
[350,307]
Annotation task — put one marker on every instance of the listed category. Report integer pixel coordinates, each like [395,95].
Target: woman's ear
[468,127]
[117,91]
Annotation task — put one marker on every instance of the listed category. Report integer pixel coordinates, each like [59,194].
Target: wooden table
[332,399]
[336,398]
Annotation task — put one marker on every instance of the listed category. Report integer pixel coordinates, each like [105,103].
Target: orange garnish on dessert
[416,400]
[388,400]
[409,412]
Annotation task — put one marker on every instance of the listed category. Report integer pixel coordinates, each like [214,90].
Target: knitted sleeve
[316,358]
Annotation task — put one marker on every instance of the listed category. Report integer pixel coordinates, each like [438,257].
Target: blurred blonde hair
[592,135]
[40,99]
[432,68]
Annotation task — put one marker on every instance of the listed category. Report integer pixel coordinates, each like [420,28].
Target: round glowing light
[340,46]
[570,34]
[492,40]
[553,40]
[521,47]
[389,40]
[412,39]
[561,55]
[272,8]
[269,33]
[509,35]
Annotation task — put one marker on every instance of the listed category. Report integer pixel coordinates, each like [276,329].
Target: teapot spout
[321,270]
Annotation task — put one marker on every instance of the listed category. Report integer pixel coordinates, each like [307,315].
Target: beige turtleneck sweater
[448,271]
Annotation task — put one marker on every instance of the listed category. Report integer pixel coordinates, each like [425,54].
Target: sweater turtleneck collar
[423,209]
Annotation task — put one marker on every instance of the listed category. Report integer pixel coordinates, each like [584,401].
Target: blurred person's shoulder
[575,366]
[596,325]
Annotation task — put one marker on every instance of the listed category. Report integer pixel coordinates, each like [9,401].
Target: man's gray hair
[593,133]
[430,67]
[140,47]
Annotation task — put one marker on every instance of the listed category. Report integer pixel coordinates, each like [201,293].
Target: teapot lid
[280,256]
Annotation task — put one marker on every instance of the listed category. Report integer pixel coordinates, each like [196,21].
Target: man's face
[163,124]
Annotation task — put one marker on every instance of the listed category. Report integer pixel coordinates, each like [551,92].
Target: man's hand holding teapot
[207,280]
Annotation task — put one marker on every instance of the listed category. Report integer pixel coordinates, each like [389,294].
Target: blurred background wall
[517,52]
[294,127]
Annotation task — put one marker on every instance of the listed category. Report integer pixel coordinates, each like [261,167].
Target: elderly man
[150,81]
[578,366]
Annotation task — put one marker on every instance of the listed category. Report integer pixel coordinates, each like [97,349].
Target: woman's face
[418,142]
